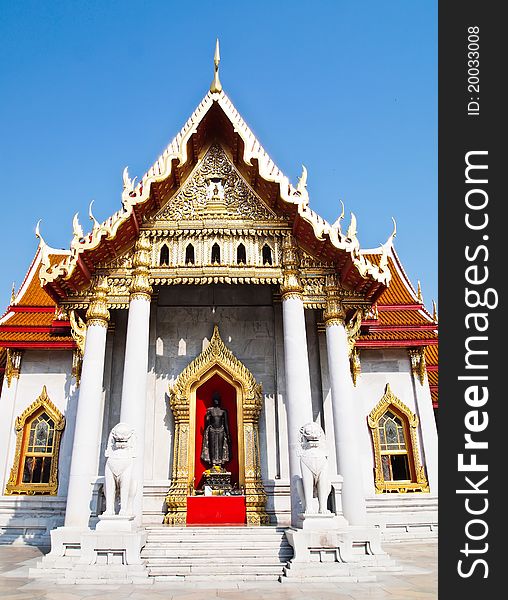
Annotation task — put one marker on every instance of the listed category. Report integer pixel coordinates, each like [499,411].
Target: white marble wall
[379,367]
[251,326]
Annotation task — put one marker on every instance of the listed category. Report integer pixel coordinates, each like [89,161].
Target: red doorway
[204,394]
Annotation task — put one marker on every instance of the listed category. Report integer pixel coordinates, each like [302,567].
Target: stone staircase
[215,554]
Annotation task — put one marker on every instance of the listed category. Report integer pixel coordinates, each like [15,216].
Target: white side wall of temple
[251,325]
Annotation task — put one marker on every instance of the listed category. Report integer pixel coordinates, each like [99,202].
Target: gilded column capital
[98,313]
[13,365]
[418,364]
[291,286]
[335,312]
[140,286]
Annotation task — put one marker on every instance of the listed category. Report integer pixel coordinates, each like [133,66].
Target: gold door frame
[216,359]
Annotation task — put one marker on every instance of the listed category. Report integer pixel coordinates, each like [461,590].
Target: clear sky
[348,88]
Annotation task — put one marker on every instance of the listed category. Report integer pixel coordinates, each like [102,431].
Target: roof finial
[434,310]
[419,293]
[13,294]
[216,86]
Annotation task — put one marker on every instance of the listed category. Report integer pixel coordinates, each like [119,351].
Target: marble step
[210,538]
[214,580]
[226,546]
[215,553]
[212,563]
[225,569]
[207,554]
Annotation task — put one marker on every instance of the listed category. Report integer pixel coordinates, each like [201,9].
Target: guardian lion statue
[120,454]
[315,481]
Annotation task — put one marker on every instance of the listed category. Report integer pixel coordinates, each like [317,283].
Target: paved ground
[418,580]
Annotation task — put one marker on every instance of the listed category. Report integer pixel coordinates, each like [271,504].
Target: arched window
[241,255]
[215,253]
[189,254]
[267,255]
[164,256]
[35,468]
[396,458]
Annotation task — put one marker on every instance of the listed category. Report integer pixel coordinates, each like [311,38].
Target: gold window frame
[216,359]
[418,482]
[15,484]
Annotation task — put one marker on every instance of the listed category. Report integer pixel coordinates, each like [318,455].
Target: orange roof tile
[31,309]
[33,336]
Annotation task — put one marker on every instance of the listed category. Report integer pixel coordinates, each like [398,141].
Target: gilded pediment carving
[215,190]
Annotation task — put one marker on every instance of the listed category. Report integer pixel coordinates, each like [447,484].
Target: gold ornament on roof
[353,330]
[355,365]
[216,85]
[13,365]
[78,331]
[419,293]
[418,364]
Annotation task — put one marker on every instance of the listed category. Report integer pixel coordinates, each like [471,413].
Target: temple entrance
[216,474]
[216,496]
[216,386]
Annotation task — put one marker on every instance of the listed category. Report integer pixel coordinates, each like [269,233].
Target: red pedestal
[216,510]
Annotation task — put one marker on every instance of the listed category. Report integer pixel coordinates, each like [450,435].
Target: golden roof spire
[419,293]
[216,85]
[13,294]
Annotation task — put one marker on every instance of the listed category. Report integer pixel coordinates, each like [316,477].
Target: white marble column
[296,363]
[89,416]
[7,423]
[135,375]
[343,408]
[425,412]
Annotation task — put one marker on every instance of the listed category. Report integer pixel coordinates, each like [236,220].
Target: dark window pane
[215,253]
[164,256]
[46,469]
[241,255]
[189,254]
[267,255]
[37,472]
[27,469]
[400,467]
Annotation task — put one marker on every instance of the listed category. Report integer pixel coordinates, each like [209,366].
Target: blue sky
[347,88]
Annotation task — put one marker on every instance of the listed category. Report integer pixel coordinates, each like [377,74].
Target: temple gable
[215,189]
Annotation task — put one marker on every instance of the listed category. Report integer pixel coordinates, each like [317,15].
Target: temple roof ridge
[134,196]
